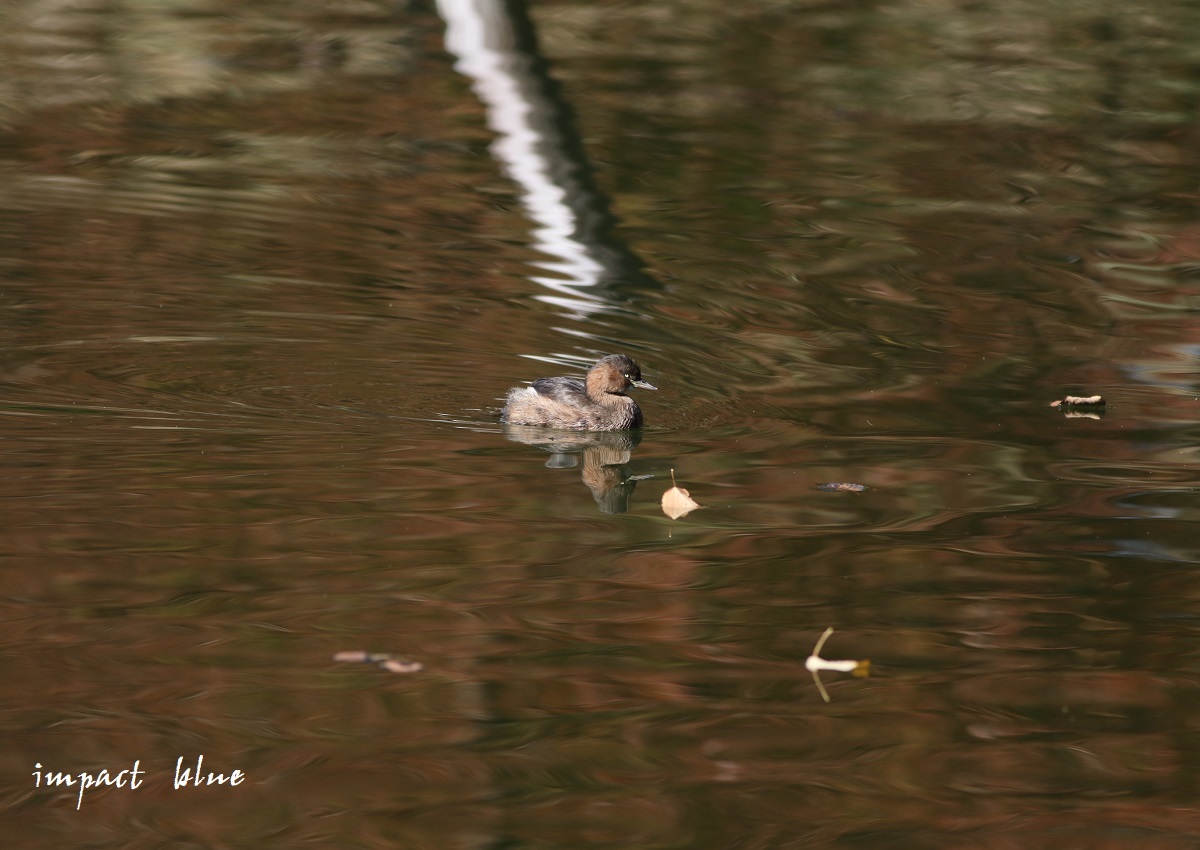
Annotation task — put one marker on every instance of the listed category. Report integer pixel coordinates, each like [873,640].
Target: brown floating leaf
[676,502]
[843,486]
[388,662]
[1072,400]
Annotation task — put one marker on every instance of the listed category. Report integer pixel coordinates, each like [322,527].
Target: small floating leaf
[843,487]
[677,502]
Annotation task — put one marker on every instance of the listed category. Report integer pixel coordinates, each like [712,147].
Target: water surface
[267,274]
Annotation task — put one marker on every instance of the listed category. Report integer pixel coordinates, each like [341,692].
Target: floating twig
[815,663]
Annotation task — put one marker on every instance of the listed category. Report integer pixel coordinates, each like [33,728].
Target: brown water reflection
[265,281]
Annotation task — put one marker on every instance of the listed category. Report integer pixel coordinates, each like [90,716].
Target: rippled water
[267,272]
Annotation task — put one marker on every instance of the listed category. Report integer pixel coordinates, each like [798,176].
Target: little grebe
[598,405]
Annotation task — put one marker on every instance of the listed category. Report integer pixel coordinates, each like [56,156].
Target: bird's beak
[643,385]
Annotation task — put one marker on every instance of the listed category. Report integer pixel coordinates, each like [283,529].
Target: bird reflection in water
[603,455]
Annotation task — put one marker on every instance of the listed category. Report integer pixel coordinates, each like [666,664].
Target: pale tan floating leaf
[1073,400]
[677,502]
